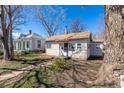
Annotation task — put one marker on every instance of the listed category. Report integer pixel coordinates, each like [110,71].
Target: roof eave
[66,40]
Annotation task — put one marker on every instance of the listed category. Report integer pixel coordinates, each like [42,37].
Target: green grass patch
[35,78]
[41,77]
[61,64]
[62,70]
[31,56]
[7,67]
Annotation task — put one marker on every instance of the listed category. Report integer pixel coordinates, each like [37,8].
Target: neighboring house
[76,45]
[29,42]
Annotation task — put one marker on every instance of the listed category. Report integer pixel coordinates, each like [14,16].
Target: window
[39,44]
[48,45]
[79,46]
[72,46]
[27,44]
[23,45]
[62,47]
[18,45]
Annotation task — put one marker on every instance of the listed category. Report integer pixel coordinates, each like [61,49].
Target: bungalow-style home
[29,42]
[75,45]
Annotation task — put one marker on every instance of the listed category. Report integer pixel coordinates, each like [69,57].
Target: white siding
[83,52]
[54,50]
[95,49]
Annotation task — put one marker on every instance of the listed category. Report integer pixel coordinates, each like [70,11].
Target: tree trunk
[5,35]
[114,50]
[6,51]
[10,33]
[10,18]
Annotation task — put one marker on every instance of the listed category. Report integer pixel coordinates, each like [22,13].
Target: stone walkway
[20,71]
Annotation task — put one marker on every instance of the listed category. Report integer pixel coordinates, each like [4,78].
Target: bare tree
[4,36]
[77,26]
[51,18]
[11,17]
[16,18]
[114,50]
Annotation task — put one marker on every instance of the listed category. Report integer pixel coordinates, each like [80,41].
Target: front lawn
[7,67]
[34,78]
[62,73]
[23,60]
[33,57]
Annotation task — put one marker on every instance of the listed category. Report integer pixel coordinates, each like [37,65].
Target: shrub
[1,53]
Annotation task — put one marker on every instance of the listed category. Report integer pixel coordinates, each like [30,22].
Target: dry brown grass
[83,72]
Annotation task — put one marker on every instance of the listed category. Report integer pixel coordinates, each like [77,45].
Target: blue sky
[91,16]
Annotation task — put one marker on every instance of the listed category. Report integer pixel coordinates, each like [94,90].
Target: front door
[66,49]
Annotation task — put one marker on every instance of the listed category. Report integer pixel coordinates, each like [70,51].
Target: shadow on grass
[72,77]
[33,78]
[78,75]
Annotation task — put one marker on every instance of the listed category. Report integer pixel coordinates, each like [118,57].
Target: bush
[1,53]
[61,64]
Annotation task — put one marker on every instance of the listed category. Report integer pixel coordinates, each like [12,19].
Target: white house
[76,45]
[29,42]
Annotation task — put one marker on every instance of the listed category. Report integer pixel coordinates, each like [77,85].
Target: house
[75,45]
[29,42]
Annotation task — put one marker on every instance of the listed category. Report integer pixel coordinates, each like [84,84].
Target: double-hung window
[28,44]
[73,47]
[38,43]
[78,45]
[23,45]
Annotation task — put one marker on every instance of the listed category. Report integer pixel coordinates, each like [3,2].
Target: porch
[23,45]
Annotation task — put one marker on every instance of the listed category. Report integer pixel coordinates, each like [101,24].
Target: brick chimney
[66,30]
